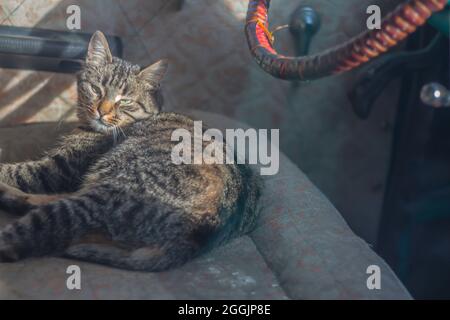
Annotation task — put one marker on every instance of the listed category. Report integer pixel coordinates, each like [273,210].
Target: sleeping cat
[114,177]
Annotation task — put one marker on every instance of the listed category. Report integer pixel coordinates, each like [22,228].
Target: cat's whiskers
[114,133]
[121,130]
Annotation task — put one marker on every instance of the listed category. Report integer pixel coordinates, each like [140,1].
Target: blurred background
[348,158]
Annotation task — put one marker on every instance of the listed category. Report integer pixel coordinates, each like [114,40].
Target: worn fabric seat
[301,249]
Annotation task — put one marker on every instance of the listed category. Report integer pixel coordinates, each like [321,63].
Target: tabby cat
[114,177]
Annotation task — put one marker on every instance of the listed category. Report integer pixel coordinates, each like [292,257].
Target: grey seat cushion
[301,249]
[222,274]
[307,243]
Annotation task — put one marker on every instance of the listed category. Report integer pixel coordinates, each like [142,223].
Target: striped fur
[115,176]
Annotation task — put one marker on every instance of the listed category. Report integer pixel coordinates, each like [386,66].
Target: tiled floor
[212,70]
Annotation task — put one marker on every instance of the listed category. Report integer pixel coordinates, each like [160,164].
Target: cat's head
[113,92]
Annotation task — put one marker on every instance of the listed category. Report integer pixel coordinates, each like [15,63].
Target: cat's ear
[155,72]
[98,51]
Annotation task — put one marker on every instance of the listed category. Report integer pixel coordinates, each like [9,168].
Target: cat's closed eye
[91,89]
[126,102]
[95,90]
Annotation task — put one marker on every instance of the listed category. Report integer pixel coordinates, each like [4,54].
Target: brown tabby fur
[113,181]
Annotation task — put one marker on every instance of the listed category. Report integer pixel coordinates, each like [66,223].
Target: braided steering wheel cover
[396,26]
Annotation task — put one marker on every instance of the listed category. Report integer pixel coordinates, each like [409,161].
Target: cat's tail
[149,259]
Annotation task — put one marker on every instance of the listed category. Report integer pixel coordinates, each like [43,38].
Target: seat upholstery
[301,248]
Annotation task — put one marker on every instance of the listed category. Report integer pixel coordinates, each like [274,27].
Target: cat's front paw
[13,200]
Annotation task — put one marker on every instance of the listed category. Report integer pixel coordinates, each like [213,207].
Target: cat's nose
[105,107]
